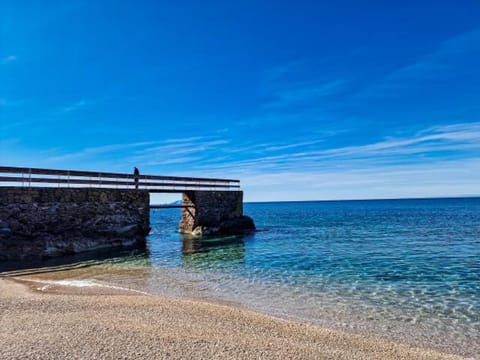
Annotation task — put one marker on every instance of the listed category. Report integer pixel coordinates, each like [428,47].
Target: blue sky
[301,100]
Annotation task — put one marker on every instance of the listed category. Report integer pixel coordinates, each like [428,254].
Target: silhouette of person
[136,176]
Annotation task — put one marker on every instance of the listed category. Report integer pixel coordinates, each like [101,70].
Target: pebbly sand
[114,324]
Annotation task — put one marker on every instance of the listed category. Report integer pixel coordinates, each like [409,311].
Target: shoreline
[110,323]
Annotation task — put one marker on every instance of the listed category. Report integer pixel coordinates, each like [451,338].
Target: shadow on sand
[67,262]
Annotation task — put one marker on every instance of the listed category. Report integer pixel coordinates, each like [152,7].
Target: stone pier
[44,222]
[47,222]
[214,213]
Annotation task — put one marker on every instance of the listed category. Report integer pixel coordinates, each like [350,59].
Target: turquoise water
[404,269]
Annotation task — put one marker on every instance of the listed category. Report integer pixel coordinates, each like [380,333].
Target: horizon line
[366,199]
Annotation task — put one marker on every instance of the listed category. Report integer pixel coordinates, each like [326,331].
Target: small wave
[81,284]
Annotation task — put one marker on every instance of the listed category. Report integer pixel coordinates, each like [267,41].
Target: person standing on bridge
[136,176]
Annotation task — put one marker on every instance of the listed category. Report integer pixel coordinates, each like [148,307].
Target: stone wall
[214,212]
[47,222]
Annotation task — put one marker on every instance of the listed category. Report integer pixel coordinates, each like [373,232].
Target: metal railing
[31,177]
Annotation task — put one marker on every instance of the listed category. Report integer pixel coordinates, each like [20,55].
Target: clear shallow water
[405,269]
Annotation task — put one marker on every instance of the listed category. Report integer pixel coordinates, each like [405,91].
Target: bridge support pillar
[214,213]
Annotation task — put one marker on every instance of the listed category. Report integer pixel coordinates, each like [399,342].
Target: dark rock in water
[237,226]
[241,225]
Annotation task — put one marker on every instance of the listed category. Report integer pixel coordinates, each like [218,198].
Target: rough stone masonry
[47,222]
[214,213]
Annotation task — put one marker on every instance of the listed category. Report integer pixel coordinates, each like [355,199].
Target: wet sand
[67,323]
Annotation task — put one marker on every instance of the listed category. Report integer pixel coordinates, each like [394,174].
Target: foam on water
[79,284]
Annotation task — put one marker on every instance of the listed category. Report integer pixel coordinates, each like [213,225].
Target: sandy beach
[114,324]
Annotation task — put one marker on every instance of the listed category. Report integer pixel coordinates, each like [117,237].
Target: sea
[404,270]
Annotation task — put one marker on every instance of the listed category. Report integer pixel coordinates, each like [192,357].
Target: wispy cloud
[174,151]
[434,139]
[449,140]
[191,139]
[298,93]
[8,59]
[91,152]
[4,102]
[435,161]
[439,60]
[433,179]
[294,145]
[279,72]
[215,155]
[299,82]
[146,153]
[74,107]
[170,161]
[445,62]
